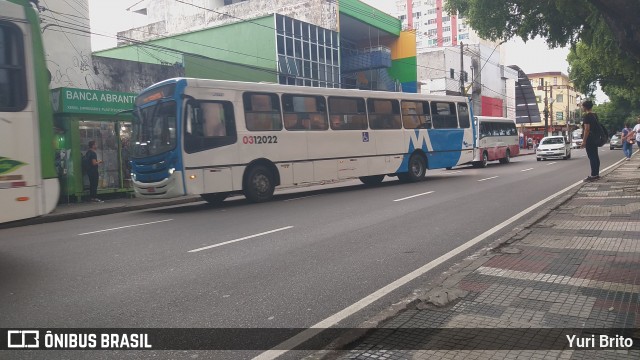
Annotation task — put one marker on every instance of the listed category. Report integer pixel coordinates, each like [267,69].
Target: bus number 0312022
[259,139]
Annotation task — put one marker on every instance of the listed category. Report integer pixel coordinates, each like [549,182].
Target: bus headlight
[171,171]
[133,176]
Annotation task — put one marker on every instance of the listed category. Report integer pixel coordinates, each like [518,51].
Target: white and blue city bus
[214,138]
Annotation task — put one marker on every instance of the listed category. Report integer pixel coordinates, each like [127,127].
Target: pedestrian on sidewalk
[92,171]
[628,138]
[636,129]
[589,140]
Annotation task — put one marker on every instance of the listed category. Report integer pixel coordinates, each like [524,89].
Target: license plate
[151,190]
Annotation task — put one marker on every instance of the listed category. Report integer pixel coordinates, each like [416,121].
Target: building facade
[555,90]
[322,43]
[452,59]
[434,27]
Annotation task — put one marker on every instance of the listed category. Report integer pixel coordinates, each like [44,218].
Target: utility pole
[551,107]
[461,70]
[546,111]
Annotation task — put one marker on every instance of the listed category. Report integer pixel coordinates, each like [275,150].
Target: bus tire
[485,159]
[214,199]
[507,157]
[372,180]
[259,184]
[417,169]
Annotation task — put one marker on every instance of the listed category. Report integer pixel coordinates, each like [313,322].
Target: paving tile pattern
[579,267]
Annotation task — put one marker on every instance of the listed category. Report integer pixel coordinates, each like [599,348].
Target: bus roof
[494,119]
[278,88]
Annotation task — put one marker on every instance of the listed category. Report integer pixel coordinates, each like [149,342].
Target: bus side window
[209,125]
[351,111]
[304,112]
[416,115]
[463,116]
[13,90]
[444,115]
[483,130]
[384,114]
[262,112]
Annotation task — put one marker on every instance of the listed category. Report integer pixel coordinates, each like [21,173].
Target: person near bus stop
[628,139]
[92,171]
[590,140]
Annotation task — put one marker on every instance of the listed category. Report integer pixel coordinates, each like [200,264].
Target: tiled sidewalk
[577,267]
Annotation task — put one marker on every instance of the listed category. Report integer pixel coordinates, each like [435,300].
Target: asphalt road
[291,262]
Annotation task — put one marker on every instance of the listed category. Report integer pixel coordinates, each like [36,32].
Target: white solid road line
[412,196]
[527,169]
[236,240]
[123,227]
[551,163]
[368,300]
[489,178]
[453,172]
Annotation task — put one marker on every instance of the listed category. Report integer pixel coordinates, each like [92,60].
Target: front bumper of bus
[170,187]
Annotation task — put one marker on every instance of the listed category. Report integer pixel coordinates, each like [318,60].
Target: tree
[604,36]
[561,22]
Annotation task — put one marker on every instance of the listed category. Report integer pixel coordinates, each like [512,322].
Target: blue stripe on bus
[446,148]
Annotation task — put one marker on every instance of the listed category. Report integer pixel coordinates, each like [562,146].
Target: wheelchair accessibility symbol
[365,136]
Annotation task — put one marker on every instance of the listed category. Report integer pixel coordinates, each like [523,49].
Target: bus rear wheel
[507,157]
[259,184]
[417,169]
[372,180]
[214,199]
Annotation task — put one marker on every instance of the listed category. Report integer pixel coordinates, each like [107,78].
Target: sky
[109,17]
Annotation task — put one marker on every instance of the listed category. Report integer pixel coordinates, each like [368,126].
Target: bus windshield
[154,129]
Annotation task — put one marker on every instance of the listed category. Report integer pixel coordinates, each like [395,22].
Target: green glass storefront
[81,116]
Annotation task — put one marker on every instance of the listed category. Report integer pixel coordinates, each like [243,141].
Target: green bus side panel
[45,111]
[371,16]
[404,70]
[251,43]
[198,67]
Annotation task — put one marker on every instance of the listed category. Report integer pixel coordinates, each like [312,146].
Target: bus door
[342,152]
[210,136]
[386,131]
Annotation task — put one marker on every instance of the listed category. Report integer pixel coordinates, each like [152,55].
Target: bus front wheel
[214,199]
[259,184]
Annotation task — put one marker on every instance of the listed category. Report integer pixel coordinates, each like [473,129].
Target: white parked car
[553,147]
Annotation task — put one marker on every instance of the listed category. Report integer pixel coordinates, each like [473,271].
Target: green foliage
[561,22]
[602,34]
[614,114]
